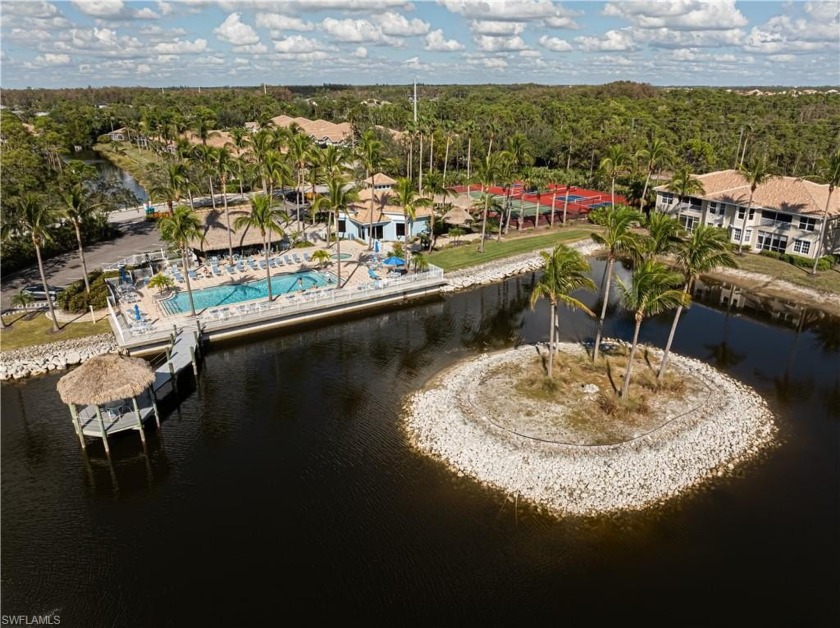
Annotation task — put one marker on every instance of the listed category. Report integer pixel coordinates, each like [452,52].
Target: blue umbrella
[393,261]
[137,313]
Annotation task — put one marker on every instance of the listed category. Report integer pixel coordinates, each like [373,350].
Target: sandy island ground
[717,426]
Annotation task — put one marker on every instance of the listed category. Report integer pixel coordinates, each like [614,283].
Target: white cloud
[299,44]
[146,14]
[530,54]
[555,44]
[494,63]
[668,38]
[256,49]
[495,27]
[766,42]
[348,5]
[678,15]
[356,31]
[165,8]
[561,22]
[496,44]
[395,24]
[277,22]
[143,68]
[155,30]
[99,8]
[236,32]
[507,10]
[178,47]
[435,41]
[611,41]
[48,59]
[40,9]
[783,58]
[360,52]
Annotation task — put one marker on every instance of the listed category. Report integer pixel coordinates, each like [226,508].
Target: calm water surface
[108,169]
[283,490]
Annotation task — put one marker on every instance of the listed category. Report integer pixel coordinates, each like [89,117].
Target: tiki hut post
[155,409]
[194,362]
[139,422]
[102,429]
[173,375]
[77,425]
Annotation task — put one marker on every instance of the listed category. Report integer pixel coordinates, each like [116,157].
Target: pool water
[343,256]
[572,197]
[227,294]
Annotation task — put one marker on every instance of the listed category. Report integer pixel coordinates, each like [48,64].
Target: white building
[786,215]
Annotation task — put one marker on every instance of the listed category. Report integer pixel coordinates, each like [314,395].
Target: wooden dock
[182,354]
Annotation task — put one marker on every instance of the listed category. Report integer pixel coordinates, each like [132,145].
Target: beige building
[787,215]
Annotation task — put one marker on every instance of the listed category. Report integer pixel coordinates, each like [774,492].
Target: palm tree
[653,155]
[492,131]
[486,175]
[651,292]
[78,208]
[614,164]
[468,129]
[337,199]
[755,174]
[664,235]
[684,184]
[565,270]
[406,196]
[224,165]
[435,186]
[706,249]
[448,130]
[180,230]
[263,217]
[369,153]
[830,173]
[34,219]
[170,190]
[616,238]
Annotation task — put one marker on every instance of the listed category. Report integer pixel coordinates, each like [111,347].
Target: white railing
[140,259]
[259,311]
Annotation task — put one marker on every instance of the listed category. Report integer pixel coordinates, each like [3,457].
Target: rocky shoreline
[709,440]
[41,359]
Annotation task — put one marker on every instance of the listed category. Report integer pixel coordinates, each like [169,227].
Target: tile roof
[787,194]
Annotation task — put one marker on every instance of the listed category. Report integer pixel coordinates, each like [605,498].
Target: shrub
[76,300]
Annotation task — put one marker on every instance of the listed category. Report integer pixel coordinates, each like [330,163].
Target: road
[138,236]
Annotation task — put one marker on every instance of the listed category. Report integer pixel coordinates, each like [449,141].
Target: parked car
[36,291]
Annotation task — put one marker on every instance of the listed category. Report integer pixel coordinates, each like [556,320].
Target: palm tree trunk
[187,279]
[46,288]
[607,280]
[551,341]
[553,204]
[469,158]
[744,226]
[644,190]
[483,220]
[566,205]
[212,192]
[266,245]
[822,232]
[420,165]
[626,386]
[370,223]
[230,234]
[445,160]
[337,252]
[667,352]
[82,255]
[612,192]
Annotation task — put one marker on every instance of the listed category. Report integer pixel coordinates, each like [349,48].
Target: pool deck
[359,291]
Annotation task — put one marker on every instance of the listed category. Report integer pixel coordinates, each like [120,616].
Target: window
[666,198]
[801,246]
[695,204]
[400,229]
[342,226]
[741,211]
[736,235]
[772,242]
[807,224]
[717,209]
[688,222]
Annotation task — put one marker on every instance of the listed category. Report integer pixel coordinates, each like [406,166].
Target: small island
[569,448]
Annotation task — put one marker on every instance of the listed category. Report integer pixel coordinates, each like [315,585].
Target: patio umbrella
[137,314]
[393,261]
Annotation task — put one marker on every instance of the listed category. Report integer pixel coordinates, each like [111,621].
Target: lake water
[284,487]
[106,168]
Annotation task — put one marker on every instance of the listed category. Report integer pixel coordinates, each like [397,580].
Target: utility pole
[738,150]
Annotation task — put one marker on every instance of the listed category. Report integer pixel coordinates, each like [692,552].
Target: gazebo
[98,383]
[457,216]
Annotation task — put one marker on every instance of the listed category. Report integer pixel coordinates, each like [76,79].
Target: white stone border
[733,427]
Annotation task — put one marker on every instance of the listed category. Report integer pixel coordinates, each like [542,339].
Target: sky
[79,43]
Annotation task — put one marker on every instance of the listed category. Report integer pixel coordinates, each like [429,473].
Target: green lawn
[466,254]
[30,329]
[825,281]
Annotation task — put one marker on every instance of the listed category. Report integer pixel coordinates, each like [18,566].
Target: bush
[76,300]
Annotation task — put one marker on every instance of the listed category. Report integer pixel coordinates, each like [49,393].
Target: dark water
[108,169]
[283,491]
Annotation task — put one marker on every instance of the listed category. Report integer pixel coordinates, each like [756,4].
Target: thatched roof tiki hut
[101,381]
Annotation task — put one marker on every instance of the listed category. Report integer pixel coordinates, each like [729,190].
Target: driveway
[138,236]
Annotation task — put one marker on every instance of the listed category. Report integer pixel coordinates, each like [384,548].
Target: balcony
[775,225]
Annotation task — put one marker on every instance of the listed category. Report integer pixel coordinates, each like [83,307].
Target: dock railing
[217,318]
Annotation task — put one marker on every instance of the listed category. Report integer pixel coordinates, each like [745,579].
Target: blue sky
[311,42]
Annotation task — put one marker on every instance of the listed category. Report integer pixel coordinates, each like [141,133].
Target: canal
[284,487]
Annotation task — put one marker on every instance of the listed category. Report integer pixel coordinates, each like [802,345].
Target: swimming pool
[236,293]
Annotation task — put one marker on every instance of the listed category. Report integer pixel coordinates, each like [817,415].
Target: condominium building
[787,214]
